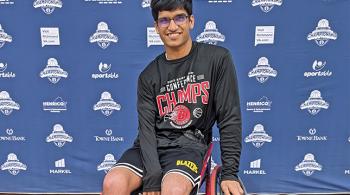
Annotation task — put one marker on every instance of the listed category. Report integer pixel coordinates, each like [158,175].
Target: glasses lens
[180,19]
[163,22]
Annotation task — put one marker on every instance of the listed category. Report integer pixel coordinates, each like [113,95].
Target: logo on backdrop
[53,71]
[255,168]
[6,2]
[13,165]
[264,104]
[56,106]
[60,168]
[104,72]
[4,37]
[48,6]
[105,2]
[211,34]
[322,34]
[264,35]
[106,104]
[219,1]
[315,103]
[103,36]
[3,73]
[59,136]
[107,163]
[258,137]
[266,5]
[262,71]
[312,136]
[11,137]
[7,105]
[318,70]
[109,137]
[309,165]
[50,36]
[146,3]
[152,37]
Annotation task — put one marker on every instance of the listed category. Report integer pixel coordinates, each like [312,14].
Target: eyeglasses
[178,19]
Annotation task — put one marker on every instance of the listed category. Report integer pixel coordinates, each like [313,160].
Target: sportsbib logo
[146,3]
[59,136]
[103,36]
[258,137]
[48,6]
[262,71]
[53,71]
[266,5]
[322,34]
[308,166]
[180,117]
[104,68]
[315,103]
[13,165]
[317,66]
[107,163]
[7,105]
[3,74]
[211,34]
[4,37]
[106,104]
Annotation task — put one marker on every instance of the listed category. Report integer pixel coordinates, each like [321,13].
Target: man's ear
[191,20]
[156,27]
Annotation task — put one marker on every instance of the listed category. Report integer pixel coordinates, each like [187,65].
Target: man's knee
[176,184]
[120,181]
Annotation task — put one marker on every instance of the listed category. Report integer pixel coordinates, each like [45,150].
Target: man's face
[174,27]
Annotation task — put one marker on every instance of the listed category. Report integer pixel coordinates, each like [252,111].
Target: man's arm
[228,117]
[147,116]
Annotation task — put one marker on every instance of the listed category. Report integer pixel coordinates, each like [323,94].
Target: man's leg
[176,184]
[120,181]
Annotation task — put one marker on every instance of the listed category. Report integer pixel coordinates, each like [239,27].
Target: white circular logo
[312,131]
[197,112]
[108,132]
[9,131]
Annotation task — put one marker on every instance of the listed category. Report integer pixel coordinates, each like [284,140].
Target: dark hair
[170,5]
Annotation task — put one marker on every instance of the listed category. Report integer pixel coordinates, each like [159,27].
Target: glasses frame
[175,19]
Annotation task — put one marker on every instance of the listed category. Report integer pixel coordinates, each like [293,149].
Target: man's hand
[231,187]
[151,193]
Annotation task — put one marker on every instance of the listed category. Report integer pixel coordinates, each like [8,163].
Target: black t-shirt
[189,93]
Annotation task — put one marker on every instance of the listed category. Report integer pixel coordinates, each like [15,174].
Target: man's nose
[172,26]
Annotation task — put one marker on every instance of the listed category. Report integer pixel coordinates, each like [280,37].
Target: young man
[181,94]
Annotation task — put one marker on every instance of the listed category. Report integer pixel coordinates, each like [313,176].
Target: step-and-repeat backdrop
[68,75]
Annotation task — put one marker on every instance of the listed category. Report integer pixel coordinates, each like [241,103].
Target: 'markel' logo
[211,35]
[106,104]
[103,36]
[322,34]
[53,71]
[146,3]
[59,136]
[266,5]
[13,165]
[4,37]
[262,70]
[7,105]
[315,103]
[48,6]
[308,166]
[258,137]
[107,163]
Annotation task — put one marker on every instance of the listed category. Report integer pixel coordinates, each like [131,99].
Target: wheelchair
[211,177]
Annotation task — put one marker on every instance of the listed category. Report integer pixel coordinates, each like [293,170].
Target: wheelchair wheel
[215,181]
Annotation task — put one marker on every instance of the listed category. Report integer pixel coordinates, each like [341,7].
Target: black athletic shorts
[181,156]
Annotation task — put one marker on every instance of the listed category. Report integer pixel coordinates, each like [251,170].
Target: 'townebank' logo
[103,36]
[48,6]
[322,34]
